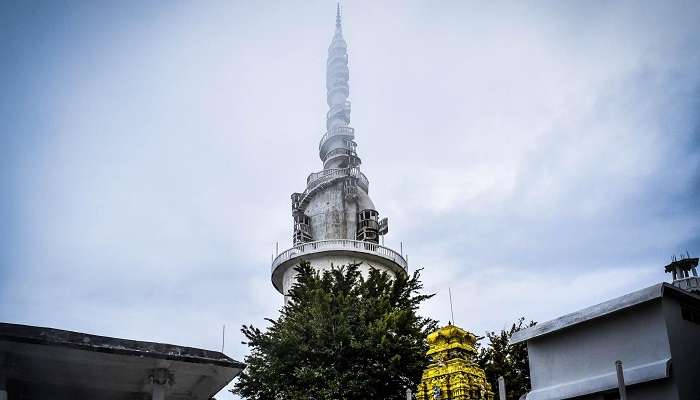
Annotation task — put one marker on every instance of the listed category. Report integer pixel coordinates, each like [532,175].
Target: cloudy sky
[536,157]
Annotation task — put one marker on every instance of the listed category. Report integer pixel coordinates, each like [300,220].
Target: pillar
[158,392]
[3,377]
[159,379]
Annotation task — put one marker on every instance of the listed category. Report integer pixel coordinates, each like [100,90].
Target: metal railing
[338,108]
[326,175]
[340,244]
[687,283]
[334,58]
[340,151]
[338,130]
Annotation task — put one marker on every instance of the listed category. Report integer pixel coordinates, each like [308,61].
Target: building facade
[335,221]
[654,332]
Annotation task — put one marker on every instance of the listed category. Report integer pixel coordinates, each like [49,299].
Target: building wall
[684,337]
[657,390]
[323,262]
[637,336]
[332,217]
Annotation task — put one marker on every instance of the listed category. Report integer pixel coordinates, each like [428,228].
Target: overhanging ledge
[57,364]
[637,374]
[599,310]
[365,250]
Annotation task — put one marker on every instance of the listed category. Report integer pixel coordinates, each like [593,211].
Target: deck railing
[338,130]
[340,244]
[687,283]
[339,151]
[317,178]
[337,108]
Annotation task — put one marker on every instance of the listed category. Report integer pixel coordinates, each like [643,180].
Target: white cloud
[534,159]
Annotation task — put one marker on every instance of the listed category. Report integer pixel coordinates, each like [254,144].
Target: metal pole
[223,337]
[621,380]
[501,388]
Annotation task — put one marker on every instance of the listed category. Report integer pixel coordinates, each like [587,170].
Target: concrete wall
[332,217]
[323,261]
[684,336]
[656,390]
[583,356]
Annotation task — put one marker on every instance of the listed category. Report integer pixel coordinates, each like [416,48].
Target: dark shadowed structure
[42,363]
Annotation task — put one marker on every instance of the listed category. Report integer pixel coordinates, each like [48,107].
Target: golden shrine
[452,373]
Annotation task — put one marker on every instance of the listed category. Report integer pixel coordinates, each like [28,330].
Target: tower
[335,221]
[452,373]
[685,274]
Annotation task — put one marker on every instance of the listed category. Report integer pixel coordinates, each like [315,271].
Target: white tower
[335,221]
[685,273]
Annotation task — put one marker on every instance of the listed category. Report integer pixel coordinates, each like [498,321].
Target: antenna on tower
[223,337]
[337,16]
[452,312]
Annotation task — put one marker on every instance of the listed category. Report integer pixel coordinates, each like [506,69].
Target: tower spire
[334,215]
[337,147]
[337,18]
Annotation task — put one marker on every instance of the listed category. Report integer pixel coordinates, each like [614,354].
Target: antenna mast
[223,337]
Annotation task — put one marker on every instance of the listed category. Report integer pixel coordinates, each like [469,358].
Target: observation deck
[320,180]
[317,178]
[366,251]
[339,131]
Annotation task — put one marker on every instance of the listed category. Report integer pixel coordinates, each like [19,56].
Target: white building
[654,332]
[335,221]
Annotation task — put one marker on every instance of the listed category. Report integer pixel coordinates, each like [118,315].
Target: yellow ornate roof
[452,373]
[451,337]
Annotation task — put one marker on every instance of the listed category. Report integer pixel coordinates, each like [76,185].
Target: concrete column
[3,377]
[621,380]
[158,392]
[501,388]
[159,378]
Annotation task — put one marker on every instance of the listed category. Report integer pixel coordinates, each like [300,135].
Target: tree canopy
[340,336]
[501,358]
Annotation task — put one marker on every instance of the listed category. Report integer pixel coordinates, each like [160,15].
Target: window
[690,314]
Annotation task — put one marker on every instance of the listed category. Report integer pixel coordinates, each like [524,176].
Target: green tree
[340,337]
[510,361]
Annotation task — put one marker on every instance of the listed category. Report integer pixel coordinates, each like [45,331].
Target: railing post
[621,380]
[501,388]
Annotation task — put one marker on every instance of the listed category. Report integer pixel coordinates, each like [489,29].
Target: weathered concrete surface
[334,217]
[324,262]
[44,363]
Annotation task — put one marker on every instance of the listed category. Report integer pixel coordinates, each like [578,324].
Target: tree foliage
[501,358]
[340,337]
